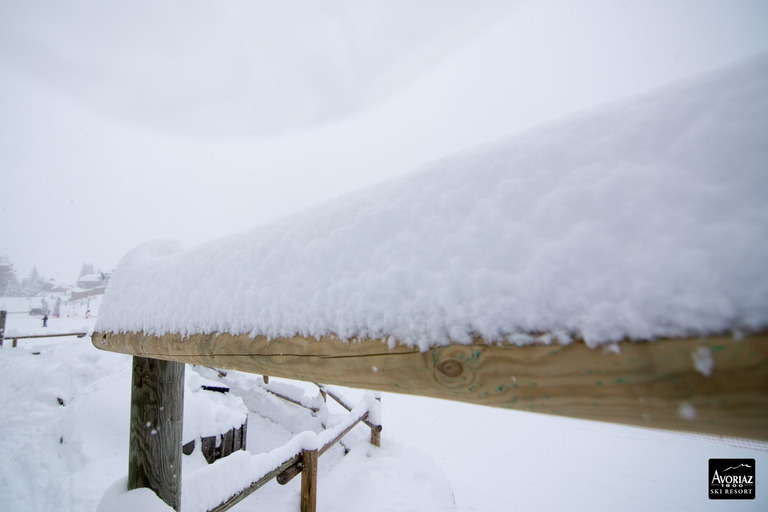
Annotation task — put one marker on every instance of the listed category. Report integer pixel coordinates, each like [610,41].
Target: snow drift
[644,218]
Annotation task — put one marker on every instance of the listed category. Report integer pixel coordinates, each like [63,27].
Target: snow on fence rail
[285,393]
[299,455]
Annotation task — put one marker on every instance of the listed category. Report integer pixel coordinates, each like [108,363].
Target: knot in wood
[450,367]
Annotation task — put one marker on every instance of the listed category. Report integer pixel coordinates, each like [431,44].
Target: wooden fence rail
[31,336]
[714,385]
[290,472]
[56,335]
[282,396]
[375,429]
[305,463]
[15,338]
[723,379]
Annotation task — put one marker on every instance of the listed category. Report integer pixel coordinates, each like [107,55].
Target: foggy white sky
[193,120]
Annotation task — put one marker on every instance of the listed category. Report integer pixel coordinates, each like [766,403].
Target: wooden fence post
[376,436]
[309,480]
[376,431]
[2,326]
[157,407]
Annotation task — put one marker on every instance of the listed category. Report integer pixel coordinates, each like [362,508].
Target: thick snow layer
[644,218]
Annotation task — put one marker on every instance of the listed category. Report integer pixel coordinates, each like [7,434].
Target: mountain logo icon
[737,467]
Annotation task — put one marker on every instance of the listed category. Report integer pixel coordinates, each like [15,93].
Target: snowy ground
[65,457]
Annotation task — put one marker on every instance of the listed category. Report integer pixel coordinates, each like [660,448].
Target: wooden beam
[661,384]
[157,407]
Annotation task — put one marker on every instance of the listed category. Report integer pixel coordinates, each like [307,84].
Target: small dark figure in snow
[45,321]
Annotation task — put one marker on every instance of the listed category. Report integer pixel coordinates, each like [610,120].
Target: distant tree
[33,284]
[9,283]
[87,269]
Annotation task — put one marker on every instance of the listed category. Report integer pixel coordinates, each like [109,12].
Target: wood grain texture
[309,480]
[654,384]
[157,406]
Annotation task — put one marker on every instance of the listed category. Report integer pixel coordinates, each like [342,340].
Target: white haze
[121,123]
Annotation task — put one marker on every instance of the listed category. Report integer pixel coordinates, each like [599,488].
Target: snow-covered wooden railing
[523,274]
[300,455]
[716,385]
[325,391]
[375,427]
[155,446]
[15,337]
[284,394]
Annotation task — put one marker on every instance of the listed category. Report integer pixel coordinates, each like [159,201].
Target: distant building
[91,281]
[89,285]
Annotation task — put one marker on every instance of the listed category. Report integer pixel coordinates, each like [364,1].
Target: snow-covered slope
[644,218]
